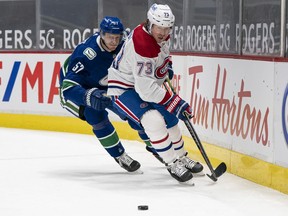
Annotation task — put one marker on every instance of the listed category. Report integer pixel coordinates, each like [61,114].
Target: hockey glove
[178,106]
[170,71]
[96,99]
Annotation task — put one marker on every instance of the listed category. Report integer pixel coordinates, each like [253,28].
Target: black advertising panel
[201,29]
[261,29]
[247,27]
[18,25]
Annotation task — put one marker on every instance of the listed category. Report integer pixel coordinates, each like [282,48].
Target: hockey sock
[177,141]
[155,127]
[108,137]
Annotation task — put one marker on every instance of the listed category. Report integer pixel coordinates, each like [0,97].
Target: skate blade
[188,183]
[137,172]
[199,174]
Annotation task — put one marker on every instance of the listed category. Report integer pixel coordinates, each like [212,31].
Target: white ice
[62,174]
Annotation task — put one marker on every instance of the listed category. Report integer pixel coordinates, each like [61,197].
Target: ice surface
[57,174]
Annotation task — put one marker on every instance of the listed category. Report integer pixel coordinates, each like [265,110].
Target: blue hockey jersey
[87,67]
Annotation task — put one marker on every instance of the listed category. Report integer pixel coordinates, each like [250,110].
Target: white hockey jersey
[141,64]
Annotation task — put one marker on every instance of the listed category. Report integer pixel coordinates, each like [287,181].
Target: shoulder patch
[90,53]
[144,44]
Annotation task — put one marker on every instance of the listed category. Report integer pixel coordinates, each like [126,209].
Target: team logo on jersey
[161,71]
[143,105]
[90,53]
[104,81]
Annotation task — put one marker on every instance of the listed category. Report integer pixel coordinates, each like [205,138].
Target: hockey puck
[143,207]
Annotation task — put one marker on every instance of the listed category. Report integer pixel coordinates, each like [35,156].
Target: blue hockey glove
[177,106]
[97,99]
[170,71]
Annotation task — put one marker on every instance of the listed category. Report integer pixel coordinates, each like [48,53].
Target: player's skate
[194,166]
[178,171]
[127,162]
[155,154]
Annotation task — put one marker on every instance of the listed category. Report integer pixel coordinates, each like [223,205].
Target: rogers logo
[285,114]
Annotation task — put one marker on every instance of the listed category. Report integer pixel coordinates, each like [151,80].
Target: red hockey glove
[178,106]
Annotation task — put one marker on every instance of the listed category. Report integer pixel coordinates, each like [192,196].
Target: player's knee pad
[154,124]
[101,125]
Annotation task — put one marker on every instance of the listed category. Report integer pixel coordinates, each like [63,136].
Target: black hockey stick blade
[218,171]
[213,177]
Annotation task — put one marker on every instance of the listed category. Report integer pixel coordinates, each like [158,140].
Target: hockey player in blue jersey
[83,86]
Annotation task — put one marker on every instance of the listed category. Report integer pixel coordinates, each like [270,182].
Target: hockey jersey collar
[99,43]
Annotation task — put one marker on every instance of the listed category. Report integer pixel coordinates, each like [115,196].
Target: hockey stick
[221,168]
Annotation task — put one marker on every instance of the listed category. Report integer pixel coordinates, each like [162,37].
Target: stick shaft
[195,137]
[199,144]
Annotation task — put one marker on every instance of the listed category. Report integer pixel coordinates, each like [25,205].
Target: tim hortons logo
[234,116]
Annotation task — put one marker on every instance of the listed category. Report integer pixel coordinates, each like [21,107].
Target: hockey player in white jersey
[134,82]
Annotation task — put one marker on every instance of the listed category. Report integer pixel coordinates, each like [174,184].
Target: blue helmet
[111,25]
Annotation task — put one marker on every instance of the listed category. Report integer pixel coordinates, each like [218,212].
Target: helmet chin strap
[104,45]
